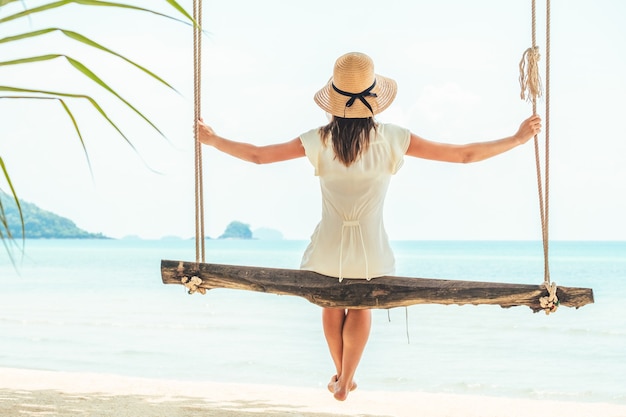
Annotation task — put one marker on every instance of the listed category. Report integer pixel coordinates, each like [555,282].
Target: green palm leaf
[3,220]
[91,101]
[83,39]
[62,3]
[85,71]
[182,11]
[62,98]
[69,114]
[5,230]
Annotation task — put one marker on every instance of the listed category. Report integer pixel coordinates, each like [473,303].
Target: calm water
[100,306]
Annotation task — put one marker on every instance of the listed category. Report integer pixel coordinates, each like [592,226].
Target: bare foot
[340,393]
[333,382]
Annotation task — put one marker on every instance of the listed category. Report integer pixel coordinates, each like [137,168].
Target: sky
[456,65]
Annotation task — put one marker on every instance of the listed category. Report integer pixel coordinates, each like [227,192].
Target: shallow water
[100,306]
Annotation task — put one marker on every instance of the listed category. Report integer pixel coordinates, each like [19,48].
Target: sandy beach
[44,393]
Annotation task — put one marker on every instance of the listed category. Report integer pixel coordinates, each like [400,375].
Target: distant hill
[237,230]
[240,230]
[39,223]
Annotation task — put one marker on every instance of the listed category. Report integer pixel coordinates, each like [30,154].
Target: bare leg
[332,321]
[346,333]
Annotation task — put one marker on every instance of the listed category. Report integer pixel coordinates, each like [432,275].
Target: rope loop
[549,303]
[529,79]
[193,284]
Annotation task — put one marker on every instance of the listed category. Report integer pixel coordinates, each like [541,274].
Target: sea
[100,306]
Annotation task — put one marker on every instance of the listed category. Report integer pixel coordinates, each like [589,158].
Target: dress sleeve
[399,139]
[312,147]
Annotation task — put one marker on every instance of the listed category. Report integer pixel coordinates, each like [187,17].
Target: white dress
[350,241]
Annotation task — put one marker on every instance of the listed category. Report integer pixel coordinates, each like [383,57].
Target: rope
[551,302]
[531,89]
[193,284]
[547,146]
[406,322]
[529,79]
[197,70]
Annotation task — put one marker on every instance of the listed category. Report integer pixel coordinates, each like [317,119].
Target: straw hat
[355,91]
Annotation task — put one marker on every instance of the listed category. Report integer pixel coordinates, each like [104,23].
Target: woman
[355,156]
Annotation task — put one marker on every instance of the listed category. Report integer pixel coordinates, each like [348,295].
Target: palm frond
[85,40]
[85,71]
[69,114]
[62,97]
[61,3]
[5,229]
[3,220]
[91,101]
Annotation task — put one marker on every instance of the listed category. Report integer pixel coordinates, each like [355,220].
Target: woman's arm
[249,152]
[473,152]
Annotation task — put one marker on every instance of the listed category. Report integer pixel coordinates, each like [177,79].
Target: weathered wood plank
[384,292]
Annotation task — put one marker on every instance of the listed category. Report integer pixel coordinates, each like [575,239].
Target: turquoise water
[100,306]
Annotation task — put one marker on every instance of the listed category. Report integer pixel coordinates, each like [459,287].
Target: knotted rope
[193,284]
[549,303]
[529,79]
[530,83]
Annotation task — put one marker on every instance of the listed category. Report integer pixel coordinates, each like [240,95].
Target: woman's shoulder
[393,133]
[315,132]
[311,137]
[397,137]
[391,129]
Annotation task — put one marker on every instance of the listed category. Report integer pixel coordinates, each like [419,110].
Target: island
[240,230]
[237,230]
[39,223]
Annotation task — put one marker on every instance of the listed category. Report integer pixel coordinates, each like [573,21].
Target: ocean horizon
[99,306]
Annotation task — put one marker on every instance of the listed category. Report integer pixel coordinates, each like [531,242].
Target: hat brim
[334,103]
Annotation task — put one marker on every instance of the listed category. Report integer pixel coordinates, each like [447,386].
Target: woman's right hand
[529,128]
[206,134]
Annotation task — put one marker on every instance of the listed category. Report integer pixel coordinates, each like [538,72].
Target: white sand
[43,393]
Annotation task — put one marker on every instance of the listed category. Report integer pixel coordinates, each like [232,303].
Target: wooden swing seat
[384,292]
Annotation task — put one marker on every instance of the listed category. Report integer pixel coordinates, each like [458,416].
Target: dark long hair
[350,137]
